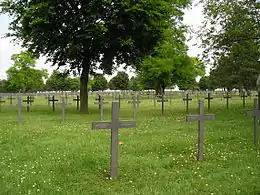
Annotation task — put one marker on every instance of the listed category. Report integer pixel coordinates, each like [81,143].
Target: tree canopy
[119,82]
[81,34]
[99,83]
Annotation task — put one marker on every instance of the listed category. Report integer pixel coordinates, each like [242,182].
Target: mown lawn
[43,156]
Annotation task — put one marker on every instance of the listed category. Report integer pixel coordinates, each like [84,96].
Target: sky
[193,17]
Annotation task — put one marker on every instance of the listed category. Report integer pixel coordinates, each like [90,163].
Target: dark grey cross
[11,98]
[63,106]
[99,99]
[28,101]
[163,100]
[201,117]
[19,105]
[255,113]
[209,98]
[244,98]
[78,100]
[135,103]
[101,106]
[114,125]
[53,100]
[2,101]
[227,97]
[187,99]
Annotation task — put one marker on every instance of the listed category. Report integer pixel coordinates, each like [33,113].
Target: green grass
[43,156]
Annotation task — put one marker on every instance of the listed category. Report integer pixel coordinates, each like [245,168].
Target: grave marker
[255,113]
[114,125]
[162,101]
[28,101]
[187,99]
[135,103]
[78,100]
[2,101]
[209,99]
[11,98]
[63,106]
[99,100]
[53,100]
[19,105]
[201,117]
[101,107]
[244,99]
[227,97]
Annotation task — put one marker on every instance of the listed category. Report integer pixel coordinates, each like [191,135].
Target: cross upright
[63,106]
[11,98]
[256,114]
[53,100]
[187,99]
[2,101]
[135,103]
[244,96]
[119,100]
[209,98]
[227,97]
[163,100]
[99,99]
[114,125]
[78,100]
[101,107]
[201,117]
[47,99]
[19,105]
[28,101]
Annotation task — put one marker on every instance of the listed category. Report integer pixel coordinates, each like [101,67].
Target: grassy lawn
[43,156]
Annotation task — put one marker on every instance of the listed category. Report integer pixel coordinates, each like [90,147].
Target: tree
[99,83]
[82,35]
[135,84]
[73,84]
[3,86]
[119,82]
[230,38]
[22,76]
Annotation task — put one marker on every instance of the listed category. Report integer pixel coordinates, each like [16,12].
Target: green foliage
[231,37]
[59,81]
[119,82]
[99,83]
[208,83]
[83,34]
[22,76]
[135,84]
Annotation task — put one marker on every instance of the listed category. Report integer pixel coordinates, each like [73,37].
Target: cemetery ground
[43,156]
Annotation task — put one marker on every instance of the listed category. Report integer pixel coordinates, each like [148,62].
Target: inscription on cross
[201,117]
[53,100]
[114,125]
[78,101]
[256,114]
[209,98]
[101,107]
[163,100]
[28,100]
[187,99]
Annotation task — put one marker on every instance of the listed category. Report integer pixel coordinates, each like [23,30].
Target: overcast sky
[193,17]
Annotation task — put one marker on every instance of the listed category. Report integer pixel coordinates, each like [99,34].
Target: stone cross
[162,101]
[2,101]
[78,100]
[99,99]
[101,106]
[63,106]
[187,99]
[11,98]
[47,99]
[135,103]
[53,100]
[19,105]
[28,101]
[209,99]
[227,97]
[244,98]
[114,125]
[201,117]
[255,113]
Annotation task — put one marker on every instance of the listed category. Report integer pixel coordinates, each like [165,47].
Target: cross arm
[191,118]
[253,113]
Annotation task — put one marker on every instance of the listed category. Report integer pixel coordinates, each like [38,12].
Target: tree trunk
[84,88]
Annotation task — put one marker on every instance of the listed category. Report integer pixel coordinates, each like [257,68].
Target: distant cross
[47,99]
[244,98]
[28,101]
[63,106]
[170,98]
[227,97]
[154,100]
[2,101]
[162,101]
[19,105]
[99,99]
[53,100]
[11,98]
[201,118]
[78,100]
[101,107]
[255,113]
[31,99]
[187,99]
[119,100]
[114,125]
[209,99]
[135,103]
